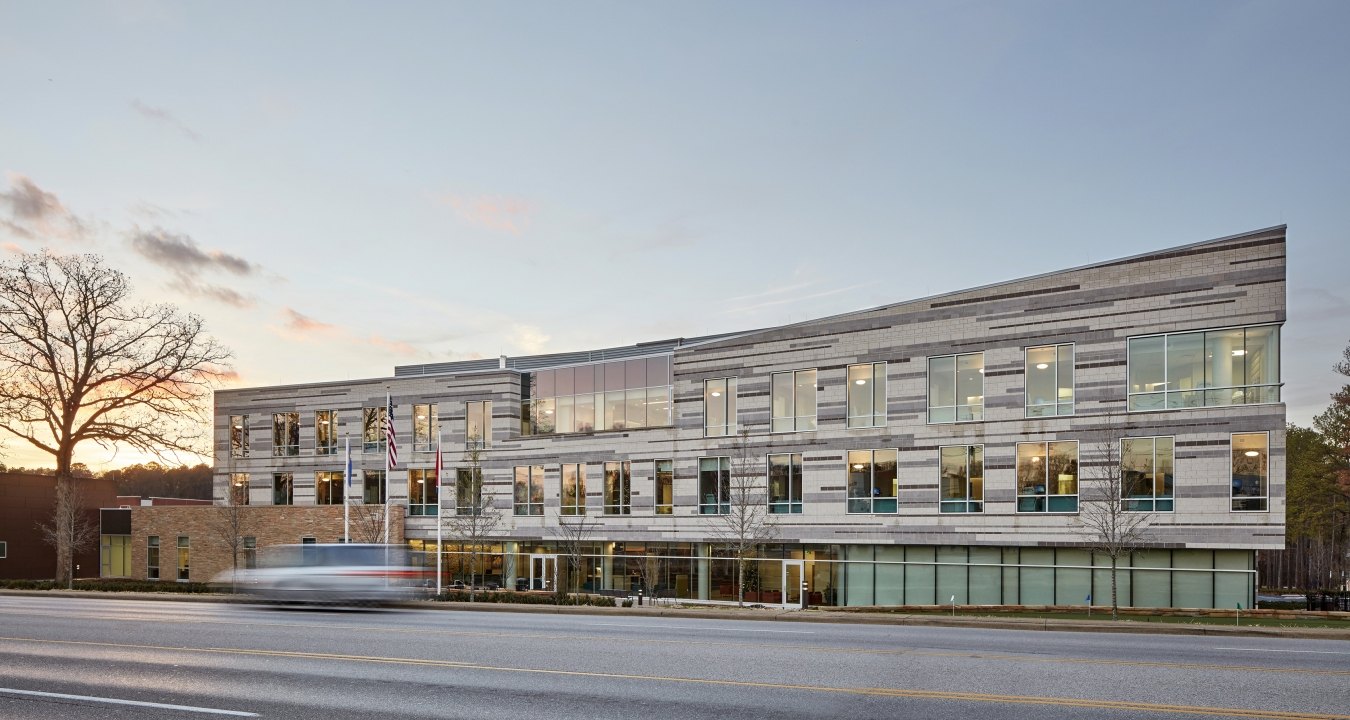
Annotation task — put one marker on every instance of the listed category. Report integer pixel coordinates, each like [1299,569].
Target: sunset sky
[342,187]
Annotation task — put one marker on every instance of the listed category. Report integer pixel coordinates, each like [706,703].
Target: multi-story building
[935,450]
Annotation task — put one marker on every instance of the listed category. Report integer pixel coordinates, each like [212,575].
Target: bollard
[805,598]
[639,597]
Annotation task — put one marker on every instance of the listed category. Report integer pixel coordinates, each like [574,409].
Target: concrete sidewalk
[776,614]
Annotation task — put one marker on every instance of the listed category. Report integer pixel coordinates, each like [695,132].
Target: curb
[777,615]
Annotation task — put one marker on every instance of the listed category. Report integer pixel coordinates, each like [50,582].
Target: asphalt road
[88,658]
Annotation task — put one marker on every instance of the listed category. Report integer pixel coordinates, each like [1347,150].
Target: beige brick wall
[210,551]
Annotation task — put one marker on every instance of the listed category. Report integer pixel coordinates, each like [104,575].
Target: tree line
[145,479]
[1317,512]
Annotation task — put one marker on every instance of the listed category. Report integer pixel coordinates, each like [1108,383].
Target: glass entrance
[543,572]
[792,583]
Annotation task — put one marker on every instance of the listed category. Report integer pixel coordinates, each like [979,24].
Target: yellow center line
[570,638]
[873,692]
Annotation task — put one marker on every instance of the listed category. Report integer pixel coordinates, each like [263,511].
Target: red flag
[438,462]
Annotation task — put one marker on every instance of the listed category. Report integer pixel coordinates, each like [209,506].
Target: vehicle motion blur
[329,574]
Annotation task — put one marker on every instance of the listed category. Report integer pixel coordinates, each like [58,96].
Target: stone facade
[1230,282]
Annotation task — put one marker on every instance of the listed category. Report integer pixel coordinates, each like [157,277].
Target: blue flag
[349,464]
[1088,599]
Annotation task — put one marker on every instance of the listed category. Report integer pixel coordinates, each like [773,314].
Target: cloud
[530,339]
[12,248]
[297,322]
[771,301]
[164,117]
[36,214]
[180,255]
[494,212]
[297,325]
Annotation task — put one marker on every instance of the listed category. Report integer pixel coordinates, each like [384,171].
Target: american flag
[438,462]
[390,436]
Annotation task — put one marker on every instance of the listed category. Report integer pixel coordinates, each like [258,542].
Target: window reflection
[1047,477]
[961,487]
[956,388]
[873,481]
[1049,381]
[1202,369]
[615,395]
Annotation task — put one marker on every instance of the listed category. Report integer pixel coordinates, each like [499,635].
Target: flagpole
[439,440]
[389,448]
[347,496]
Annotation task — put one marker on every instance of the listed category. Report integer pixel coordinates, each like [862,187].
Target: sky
[338,188]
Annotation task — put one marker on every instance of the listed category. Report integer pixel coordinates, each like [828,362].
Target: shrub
[506,596]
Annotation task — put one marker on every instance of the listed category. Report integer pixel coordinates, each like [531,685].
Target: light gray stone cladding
[1229,282]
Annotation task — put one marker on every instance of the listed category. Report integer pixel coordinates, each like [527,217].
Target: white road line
[1317,652]
[694,627]
[137,703]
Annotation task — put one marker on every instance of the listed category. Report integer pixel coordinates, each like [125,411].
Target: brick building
[27,500]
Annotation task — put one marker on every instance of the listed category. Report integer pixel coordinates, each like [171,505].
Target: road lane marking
[874,692]
[695,627]
[118,701]
[1317,652]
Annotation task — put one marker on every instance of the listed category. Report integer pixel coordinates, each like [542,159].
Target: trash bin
[522,584]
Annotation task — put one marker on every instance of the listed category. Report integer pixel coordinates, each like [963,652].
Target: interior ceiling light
[1239,353]
[1252,453]
[1036,458]
[1042,366]
[717,394]
[860,382]
[857,466]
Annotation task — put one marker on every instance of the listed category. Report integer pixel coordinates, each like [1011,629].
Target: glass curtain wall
[1201,369]
[616,395]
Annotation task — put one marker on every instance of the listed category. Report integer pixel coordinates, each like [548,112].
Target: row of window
[1178,370]
[426,430]
[1047,481]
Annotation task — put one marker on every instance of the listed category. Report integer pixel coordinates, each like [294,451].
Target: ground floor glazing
[857,575]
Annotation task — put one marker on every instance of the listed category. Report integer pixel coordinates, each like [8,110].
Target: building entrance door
[792,583]
[543,572]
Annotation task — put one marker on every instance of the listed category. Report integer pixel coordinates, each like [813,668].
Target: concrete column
[704,552]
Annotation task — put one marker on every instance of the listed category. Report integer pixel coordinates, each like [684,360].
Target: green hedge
[504,596]
[111,585]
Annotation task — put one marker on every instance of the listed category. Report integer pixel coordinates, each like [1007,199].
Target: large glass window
[152,558]
[1200,369]
[478,424]
[614,395]
[325,432]
[1049,376]
[286,434]
[573,489]
[714,485]
[961,488]
[1251,468]
[618,487]
[956,388]
[114,556]
[426,427]
[785,483]
[283,489]
[1047,477]
[793,401]
[372,487]
[238,436]
[529,495]
[719,407]
[1146,474]
[423,491]
[873,481]
[328,489]
[867,395]
[468,491]
[184,558]
[238,488]
[372,429]
[664,471]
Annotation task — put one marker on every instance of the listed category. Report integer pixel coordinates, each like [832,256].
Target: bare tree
[746,524]
[649,568]
[1111,524]
[367,523]
[69,527]
[575,534]
[80,362]
[476,519]
[228,526]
